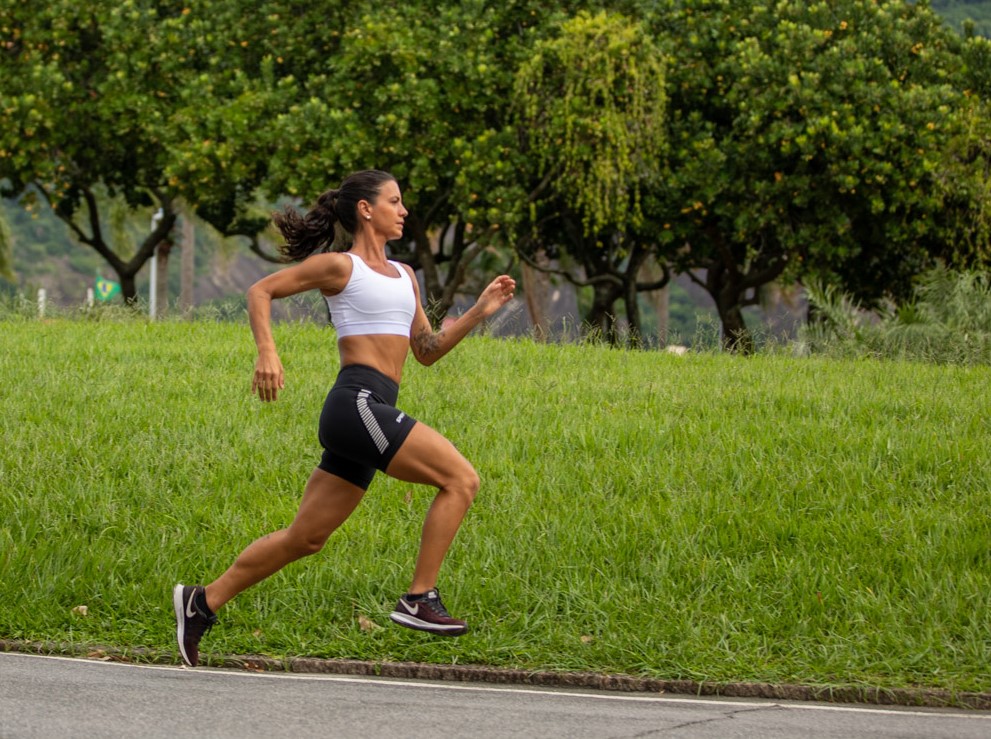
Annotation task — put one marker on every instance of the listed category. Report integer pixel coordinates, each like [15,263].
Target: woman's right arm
[325,272]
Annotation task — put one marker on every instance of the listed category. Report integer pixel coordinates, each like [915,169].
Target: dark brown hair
[317,230]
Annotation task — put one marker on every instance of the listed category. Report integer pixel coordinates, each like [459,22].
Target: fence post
[42,295]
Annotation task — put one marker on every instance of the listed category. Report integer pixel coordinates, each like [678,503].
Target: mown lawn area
[703,517]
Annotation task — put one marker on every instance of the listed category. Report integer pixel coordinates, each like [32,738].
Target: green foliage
[85,98]
[87,93]
[252,62]
[591,113]
[422,92]
[947,321]
[753,142]
[813,137]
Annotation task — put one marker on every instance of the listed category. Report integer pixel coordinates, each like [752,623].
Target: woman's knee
[301,544]
[466,485]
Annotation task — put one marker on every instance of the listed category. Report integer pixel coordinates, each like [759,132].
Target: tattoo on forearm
[427,342]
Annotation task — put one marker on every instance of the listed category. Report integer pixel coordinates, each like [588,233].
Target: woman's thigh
[327,502]
[427,458]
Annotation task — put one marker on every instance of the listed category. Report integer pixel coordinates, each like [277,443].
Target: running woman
[375,307]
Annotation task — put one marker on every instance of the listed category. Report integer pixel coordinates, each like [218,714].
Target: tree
[303,96]
[6,248]
[807,137]
[589,118]
[421,92]
[244,65]
[86,98]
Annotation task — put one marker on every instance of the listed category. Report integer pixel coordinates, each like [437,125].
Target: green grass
[704,517]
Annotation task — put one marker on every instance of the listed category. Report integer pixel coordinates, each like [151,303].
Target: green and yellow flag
[106,289]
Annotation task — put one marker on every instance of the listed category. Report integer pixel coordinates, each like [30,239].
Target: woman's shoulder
[331,260]
[407,270]
[335,268]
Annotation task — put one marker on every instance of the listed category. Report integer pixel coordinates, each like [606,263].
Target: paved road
[57,697]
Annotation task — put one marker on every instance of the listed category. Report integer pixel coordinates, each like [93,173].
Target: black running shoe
[191,622]
[427,613]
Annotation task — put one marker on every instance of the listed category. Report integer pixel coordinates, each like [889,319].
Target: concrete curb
[913,697]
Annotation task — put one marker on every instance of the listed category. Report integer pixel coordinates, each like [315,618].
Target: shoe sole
[414,623]
[180,622]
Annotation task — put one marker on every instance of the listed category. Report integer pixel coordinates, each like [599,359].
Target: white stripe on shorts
[371,423]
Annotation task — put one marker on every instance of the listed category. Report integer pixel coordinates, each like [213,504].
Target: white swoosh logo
[190,611]
[413,609]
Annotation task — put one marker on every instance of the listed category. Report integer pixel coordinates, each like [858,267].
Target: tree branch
[657,284]
[67,221]
[255,247]
[768,274]
[696,280]
[544,183]
[432,211]
[587,282]
[457,277]
[157,236]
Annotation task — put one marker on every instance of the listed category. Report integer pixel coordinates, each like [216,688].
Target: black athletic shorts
[360,427]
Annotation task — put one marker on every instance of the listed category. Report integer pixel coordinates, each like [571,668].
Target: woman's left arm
[428,345]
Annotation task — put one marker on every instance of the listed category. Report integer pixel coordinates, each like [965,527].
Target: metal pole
[153,289]
[154,281]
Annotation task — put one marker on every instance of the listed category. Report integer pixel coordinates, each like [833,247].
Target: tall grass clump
[705,517]
[947,321]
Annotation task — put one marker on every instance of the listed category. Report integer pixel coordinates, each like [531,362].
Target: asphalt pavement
[43,697]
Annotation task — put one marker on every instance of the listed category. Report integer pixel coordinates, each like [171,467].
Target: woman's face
[388,213]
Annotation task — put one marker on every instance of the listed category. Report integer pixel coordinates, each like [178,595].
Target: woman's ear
[364,210]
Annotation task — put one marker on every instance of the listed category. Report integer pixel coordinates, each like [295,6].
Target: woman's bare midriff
[383,352]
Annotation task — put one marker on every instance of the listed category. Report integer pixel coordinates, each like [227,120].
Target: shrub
[947,321]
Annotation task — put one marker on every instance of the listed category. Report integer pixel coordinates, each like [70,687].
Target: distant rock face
[230,275]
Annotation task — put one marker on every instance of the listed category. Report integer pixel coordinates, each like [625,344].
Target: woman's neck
[369,247]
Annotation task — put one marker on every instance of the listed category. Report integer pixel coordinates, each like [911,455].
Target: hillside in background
[46,256]
[956,12]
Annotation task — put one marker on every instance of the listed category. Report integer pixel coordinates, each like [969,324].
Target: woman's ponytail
[307,234]
[317,230]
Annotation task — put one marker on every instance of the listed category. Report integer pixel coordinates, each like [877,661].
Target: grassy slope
[700,517]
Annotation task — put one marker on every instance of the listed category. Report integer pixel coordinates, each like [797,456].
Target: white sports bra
[372,303]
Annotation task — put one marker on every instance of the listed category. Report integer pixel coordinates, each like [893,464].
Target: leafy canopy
[591,112]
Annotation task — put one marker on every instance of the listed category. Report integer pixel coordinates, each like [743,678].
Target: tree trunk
[459,262]
[638,255]
[635,340]
[535,289]
[659,299]
[128,290]
[428,267]
[736,336]
[723,283]
[161,287]
[602,316]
